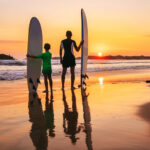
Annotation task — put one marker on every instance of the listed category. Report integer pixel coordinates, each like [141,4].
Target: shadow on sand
[144,112]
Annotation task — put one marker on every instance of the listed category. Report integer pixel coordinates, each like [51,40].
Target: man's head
[47,46]
[69,34]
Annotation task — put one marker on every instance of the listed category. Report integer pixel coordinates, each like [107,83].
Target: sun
[99,54]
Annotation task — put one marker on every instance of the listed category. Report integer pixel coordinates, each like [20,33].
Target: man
[68,59]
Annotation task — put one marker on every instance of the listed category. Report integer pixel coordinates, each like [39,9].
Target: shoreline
[124,75]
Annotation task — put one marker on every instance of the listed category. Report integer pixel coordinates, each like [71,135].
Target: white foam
[16,72]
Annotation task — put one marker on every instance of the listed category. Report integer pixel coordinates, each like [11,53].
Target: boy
[46,69]
[68,59]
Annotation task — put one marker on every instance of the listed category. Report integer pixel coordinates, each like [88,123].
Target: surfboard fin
[34,88]
[84,76]
[30,80]
[38,81]
[84,83]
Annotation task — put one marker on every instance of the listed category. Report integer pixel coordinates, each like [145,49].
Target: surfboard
[34,48]
[84,48]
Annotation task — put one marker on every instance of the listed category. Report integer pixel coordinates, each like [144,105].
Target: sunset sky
[116,27]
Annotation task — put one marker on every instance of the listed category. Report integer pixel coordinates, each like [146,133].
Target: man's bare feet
[51,96]
[45,91]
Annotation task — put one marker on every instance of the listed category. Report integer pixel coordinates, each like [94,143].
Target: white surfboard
[34,48]
[84,48]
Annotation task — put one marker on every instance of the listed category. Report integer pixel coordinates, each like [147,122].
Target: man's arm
[60,52]
[78,48]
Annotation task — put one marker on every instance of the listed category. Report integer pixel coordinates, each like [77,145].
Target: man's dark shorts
[68,61]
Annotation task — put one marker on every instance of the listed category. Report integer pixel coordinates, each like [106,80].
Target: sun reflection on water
[101,80]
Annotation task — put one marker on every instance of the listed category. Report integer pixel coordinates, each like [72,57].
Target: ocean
[16,69]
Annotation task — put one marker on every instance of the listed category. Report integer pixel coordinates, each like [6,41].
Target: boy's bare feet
[72,88]
[51,96]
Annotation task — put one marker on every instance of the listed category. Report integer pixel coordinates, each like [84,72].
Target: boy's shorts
[48,71]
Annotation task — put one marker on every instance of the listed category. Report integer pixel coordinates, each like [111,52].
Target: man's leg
[51,84]
[46,83]
[72,77]
[63,77]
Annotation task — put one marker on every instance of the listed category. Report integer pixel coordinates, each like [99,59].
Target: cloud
[147,35]
[12,41]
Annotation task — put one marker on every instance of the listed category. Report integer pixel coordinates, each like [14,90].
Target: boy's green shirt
[46,57]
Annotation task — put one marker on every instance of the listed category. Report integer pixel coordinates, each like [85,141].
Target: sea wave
[19,72]
[57,62]
[13,62]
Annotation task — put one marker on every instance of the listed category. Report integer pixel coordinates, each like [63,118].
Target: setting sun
[99,54]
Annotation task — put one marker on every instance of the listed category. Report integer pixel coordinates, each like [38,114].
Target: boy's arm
[78,48]
[31,56]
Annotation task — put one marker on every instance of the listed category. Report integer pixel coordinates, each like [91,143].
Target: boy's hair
[47,46]
[68,33]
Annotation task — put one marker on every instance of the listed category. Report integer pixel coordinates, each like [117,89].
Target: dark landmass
[119,57]
[6,57]
[113,57]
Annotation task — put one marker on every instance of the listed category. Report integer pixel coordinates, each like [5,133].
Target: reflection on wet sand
[44,121]
[70,118]
[49,116]
[38,133]
[87,119]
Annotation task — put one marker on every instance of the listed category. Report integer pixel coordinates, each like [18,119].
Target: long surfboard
[34,48]
[84,48]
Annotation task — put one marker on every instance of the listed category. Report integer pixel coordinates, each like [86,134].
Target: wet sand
[112,114]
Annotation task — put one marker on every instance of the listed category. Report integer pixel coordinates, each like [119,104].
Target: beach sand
[112,114]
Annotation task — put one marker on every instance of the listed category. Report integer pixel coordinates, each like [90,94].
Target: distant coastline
[109,57]
[119,57]
[6,57]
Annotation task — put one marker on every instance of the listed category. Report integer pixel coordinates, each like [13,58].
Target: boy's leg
[45,82]
[51,84]
[72,77]
[63,77]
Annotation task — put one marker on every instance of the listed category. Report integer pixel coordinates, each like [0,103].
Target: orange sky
[115,26]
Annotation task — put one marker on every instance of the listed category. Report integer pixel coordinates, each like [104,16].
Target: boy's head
[68,34]
[47,46]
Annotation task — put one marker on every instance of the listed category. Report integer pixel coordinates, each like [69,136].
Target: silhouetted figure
[70,119]
[49,116]
[68,60]
[87,119]
[38,130]
[46,67]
